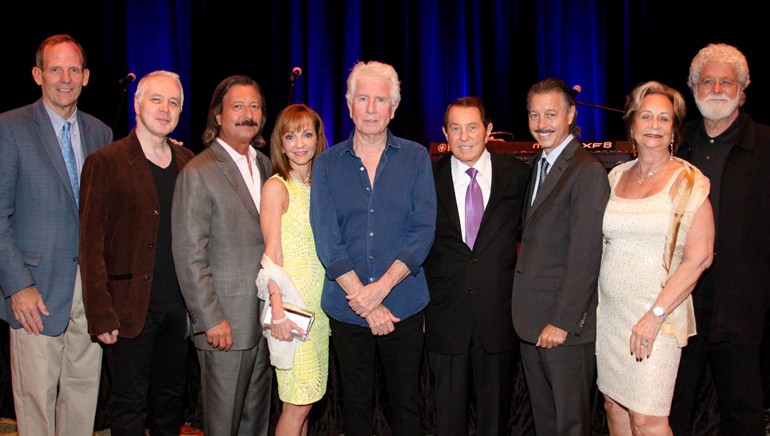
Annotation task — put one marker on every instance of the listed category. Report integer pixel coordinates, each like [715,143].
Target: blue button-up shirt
[366,228]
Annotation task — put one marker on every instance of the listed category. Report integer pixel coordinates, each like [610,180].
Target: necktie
[474,208]
[69,160]
[543,171]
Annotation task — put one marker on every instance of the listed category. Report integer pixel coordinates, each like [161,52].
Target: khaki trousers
[56,378]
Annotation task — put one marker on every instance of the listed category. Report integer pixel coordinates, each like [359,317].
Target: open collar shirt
[364,228]
[250,176]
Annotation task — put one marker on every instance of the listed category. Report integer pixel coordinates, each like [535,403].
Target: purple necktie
[474,208]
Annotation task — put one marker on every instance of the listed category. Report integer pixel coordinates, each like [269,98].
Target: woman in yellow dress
[297,139]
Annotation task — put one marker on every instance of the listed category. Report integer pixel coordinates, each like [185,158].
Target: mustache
[544,131]
[247,122]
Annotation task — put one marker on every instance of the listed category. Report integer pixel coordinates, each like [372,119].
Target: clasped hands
[366,302]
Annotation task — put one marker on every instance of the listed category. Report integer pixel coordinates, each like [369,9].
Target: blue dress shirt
[364,228]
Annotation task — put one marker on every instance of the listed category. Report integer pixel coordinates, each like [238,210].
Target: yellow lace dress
[305,383]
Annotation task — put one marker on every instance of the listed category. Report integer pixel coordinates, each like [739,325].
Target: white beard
[717,108]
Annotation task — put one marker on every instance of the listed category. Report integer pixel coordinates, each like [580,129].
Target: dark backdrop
[442,50]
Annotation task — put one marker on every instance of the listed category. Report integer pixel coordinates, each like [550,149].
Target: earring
[633,146]
[671,148]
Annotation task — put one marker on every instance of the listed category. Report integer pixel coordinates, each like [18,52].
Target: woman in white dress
[659,238]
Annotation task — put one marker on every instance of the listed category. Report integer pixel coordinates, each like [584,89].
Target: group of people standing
[129,248]
[638,277]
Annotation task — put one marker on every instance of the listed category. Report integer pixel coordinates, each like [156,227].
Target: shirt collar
[554,154]
[730,136]
[347,145]
[234,154]
[58,121]
[483,165]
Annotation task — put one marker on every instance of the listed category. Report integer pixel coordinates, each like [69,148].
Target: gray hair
[377,69]
[723,53]
[142,85]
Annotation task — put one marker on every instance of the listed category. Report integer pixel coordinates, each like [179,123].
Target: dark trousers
[148,374]
[735,369]
[475,373]
[560,382]
[400,353]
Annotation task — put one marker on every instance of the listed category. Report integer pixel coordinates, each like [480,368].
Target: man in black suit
[554,288]
[468,331]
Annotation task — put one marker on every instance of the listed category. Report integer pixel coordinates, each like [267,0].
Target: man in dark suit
[217,245]
[55,365]
[732,297]
[472,348]
[554,288]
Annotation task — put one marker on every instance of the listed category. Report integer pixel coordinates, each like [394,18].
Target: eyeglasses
[723,83]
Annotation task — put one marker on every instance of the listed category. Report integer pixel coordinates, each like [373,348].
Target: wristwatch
[659,312]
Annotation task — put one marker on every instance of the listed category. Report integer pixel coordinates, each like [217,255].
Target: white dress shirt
[251,177]
[550,157]
[462,180]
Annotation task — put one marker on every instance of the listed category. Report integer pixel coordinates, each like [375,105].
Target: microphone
[576,90]
[130,77]
[295,72]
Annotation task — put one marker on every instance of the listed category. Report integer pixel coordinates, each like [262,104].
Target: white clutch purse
[303,318]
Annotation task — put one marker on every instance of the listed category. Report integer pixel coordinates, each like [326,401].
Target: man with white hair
[732,297]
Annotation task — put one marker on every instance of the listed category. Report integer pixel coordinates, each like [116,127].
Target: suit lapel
[261,165]
[86,144]
[554,175]
[140,167]
[233,175]
[445,193]
[531,186]
[51,144]
[499,180]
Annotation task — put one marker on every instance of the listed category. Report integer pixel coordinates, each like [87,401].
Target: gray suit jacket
[561,247]
[38,215]
[217,244]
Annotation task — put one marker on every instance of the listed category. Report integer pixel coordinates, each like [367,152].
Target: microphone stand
[599,106]
[291,89]
[120,106]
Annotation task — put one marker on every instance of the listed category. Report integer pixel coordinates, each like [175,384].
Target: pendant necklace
[652,172]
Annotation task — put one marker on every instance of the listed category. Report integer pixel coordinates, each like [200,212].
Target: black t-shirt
[165,287]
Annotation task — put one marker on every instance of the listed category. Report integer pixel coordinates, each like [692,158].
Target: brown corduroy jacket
[119,220]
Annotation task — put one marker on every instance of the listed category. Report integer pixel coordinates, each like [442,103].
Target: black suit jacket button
[146,277]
